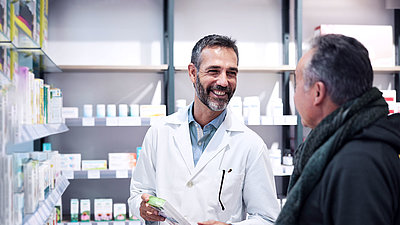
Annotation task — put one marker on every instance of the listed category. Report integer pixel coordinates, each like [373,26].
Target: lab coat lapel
[218,142]
[182,140]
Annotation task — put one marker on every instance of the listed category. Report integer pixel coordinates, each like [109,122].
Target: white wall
[106,32]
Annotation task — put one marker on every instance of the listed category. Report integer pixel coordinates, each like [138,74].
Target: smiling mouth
[219,93]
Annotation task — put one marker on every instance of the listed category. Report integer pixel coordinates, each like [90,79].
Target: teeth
[219,92]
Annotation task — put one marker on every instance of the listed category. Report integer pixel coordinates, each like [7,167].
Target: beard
[215,104]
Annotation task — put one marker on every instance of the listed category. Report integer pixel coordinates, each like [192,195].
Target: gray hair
[212,40]
[342,64]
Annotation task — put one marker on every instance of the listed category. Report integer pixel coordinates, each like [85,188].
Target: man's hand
[147,212]
[211,222]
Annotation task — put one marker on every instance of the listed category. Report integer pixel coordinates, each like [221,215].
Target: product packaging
[121,161]
[85,210]
[74,210]
[94,164]
[119,211]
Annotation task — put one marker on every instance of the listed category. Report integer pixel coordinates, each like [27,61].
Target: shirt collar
[215,122]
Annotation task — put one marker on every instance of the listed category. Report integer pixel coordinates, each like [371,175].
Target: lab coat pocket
[230,190]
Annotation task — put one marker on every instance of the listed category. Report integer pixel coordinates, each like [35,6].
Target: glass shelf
[97,174]
[33,132]
[46,64]
[46,207]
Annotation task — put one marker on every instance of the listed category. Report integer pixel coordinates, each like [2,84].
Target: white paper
[93,174]
[88,121]
[69,174]
[129,121]
[112,121]
[121,173]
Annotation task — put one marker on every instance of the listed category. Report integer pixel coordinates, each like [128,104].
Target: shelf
[46,207]
[103,223]
[283,68]
[97,174]
[33,132]
[45,63]
[110,121]
[271,69]
[393,69]
[145,121]
[110,68]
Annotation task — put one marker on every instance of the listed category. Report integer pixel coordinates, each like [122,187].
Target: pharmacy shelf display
[45,207]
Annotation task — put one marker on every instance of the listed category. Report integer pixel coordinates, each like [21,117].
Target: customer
[203,160]
[347,171]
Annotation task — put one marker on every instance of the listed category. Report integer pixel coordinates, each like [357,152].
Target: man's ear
[320,93]
[192,72]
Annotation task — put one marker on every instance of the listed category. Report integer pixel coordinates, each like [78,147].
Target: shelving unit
[45,208]
[94,137]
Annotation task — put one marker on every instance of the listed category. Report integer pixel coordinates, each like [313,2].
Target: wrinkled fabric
[323,143]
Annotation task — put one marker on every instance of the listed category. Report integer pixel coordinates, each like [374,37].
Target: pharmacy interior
[83,80]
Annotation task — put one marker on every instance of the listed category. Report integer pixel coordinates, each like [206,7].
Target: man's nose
[222,79]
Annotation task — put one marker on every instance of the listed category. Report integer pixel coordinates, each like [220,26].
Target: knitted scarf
[323,142]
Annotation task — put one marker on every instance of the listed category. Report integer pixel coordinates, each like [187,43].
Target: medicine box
[94,164]
[120,212]
[85,210]
[121,161]
[70,161]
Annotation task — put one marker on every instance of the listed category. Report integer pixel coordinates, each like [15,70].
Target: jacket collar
[231,122]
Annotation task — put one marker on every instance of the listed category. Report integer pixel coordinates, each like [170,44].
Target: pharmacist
[205,162]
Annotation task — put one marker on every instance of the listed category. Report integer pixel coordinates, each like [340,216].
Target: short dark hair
[342,64]
[213,40]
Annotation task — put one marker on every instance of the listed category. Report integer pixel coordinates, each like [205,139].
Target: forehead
[303,62]
[218,54]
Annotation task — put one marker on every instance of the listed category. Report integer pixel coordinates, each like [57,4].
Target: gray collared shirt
[201,137]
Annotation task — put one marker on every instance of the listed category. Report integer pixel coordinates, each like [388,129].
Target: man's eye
[213,72]
[232,73]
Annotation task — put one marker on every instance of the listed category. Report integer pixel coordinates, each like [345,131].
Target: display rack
[46,207]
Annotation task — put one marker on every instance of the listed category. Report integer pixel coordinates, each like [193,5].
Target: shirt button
[189,184]
[199,143]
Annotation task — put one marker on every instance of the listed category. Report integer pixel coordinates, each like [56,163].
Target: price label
[88,121]
[69,174]
[122,174]
[93,174]
[112,121]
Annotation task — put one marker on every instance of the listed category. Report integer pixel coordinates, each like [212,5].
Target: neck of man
[202,114]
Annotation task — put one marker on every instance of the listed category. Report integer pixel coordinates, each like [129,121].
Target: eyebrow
[218,67]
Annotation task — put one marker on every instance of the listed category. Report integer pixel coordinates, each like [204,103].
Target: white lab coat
[166,169]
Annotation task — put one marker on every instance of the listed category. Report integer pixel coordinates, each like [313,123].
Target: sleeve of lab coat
[143,176]
[259,192]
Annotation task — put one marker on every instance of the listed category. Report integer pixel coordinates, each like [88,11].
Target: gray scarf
[323,142]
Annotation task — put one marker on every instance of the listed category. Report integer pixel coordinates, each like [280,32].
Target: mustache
[228,90]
